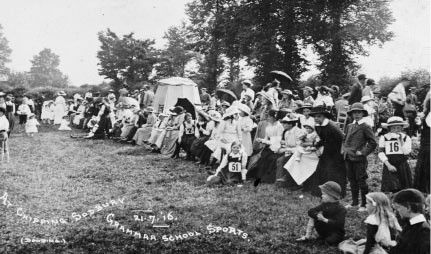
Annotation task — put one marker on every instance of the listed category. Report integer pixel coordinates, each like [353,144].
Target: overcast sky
[69,28]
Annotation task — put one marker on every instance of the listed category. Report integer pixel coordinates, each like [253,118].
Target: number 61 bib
[393,147]
[234,167]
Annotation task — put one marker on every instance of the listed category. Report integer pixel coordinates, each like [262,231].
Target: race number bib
[189,131]
[393,147]
[234,167]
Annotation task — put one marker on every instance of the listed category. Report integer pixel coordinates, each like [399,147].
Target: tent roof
[176,81]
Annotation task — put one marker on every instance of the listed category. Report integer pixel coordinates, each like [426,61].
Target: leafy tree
[5,52]
[178,53]
[339,30]
[19,79]
[125,59]
[44,70]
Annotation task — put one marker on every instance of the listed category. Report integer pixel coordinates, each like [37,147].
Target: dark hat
[357,107]
[371,82]
[272,113]
[177,110]
[409,196]
[320,110]
[111,91]
[362,77]
[332,189]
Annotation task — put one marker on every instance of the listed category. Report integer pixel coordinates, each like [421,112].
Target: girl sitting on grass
[329,217]
[379,222]
[232,169]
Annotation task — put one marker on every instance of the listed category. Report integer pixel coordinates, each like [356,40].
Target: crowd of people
[316,141]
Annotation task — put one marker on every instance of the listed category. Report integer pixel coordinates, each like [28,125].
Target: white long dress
[246,126]
[60,109]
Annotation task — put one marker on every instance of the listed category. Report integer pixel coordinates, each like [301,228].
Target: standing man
[148,97]
[398,97]
[356,89]
[205,97]
[141,98]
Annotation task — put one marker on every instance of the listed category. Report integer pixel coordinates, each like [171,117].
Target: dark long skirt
[227,177]
[422,172]
[395,181]
[198,145]
[265,169]
[329,168]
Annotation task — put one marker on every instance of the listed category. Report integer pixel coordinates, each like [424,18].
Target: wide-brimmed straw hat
[289,119]
[320,110]
[61,93]
[230,112]
[357,107]
[225,104]
[214,115]
[149,109]
[244,108]
[395,121]
[287,91]
[308,88]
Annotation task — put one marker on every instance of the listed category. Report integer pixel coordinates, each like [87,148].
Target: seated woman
[232,169]
[157,129]
[79,114]
[229,131]
[202,133]
[168,138]
[130,117]
[206,152]
[143,134]
[264,169]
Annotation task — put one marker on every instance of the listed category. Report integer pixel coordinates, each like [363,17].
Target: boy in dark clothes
[358,144]
[415,237]
[329,217]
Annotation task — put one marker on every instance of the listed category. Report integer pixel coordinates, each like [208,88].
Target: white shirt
[4,123]
[406,148]
[417,219]
[249,92]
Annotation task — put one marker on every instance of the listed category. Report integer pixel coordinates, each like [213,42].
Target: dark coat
[331,165]
[355,94]
[359,137]
[414,239]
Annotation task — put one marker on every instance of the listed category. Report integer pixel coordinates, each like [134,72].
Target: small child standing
[329,217]
[393,150]
[232,169]
[308,140]
[358,144]
[23,111]
[31,125]
[379,222]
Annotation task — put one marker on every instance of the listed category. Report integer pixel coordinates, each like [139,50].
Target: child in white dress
[31,125]
[64,125]
[308,140]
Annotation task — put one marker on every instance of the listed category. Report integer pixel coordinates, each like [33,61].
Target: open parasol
[226,95]
[280,75]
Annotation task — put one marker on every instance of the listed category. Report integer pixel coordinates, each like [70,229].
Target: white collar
[325,122]
[417,219]
[360,121]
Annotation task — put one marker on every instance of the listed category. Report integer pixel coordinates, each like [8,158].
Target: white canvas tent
[170,89]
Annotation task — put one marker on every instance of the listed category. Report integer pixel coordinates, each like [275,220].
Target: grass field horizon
[102,190]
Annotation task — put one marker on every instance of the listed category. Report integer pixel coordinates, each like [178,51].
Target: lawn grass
[51,176]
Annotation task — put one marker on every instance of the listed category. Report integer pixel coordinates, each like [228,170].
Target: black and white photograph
[215,126]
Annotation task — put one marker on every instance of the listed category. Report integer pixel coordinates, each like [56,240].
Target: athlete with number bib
[393,150]
[232,169]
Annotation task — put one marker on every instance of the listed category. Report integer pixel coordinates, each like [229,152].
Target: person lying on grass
[232,169]
[329,217]
[381,222]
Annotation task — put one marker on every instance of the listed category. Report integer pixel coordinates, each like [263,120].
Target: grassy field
[85,193]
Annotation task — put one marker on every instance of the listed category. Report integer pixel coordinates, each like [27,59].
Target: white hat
[244,108]
[61,93]
[288,119]
[230,112]
[249,93]
[395,121]
[215,116]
